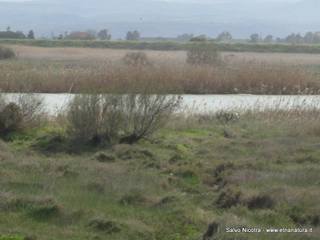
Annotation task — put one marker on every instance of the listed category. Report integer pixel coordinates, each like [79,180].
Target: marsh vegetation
[78,70]
[123,161]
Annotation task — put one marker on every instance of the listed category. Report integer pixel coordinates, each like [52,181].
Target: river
[206,103]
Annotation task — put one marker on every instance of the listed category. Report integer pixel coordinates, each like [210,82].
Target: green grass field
[258,171]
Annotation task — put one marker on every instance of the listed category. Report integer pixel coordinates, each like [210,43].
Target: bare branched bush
[84,117]
[32,108]
[6,53]
[136,59]
[24,110]
[203,54]
[125,118]
[10,118]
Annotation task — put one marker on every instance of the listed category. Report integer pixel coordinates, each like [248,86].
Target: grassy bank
[259,170]
[167,45]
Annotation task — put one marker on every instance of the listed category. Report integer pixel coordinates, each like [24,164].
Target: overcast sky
[194,1]
[163,17]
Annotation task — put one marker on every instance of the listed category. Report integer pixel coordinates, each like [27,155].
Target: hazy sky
[163,17]
[194,1]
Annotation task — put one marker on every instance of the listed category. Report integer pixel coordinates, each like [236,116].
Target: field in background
[56,70]
[165,45]
[73,53]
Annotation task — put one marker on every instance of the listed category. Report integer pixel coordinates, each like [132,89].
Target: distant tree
[12,35]
[254,38]
[316,38]
[8,29]
[200,38]
[133,36]
[309,37]
[104,35]
[185,37]
[80,36]
[30,34]
[60,37]
[224,37]
[268,39]
[294,38]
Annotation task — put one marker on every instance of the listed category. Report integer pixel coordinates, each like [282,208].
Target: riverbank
[256,170]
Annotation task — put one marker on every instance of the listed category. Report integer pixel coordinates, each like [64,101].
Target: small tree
[118,118]
[133,36]
[31,34]
[268,39]
[136,59]
[255,38]
[224,37]
[203,54]
[200,38]
[104,35]
[6,53]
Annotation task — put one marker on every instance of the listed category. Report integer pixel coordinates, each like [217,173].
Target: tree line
[294,38]
[135,35]
[103,34]
[8,33]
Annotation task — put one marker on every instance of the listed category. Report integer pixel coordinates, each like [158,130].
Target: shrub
[203,54]
[103,225]
[6,53]
[261,202]
[104,157]
[10,118]
[225,117]
[84,117]
[136,59]
[123,118]
[134,197]
[228,198]
[32,108]
[24,111]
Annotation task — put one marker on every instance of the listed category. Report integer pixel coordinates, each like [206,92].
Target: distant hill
[163,18]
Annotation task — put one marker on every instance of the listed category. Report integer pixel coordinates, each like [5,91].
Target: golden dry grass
[73,53]
[81,69]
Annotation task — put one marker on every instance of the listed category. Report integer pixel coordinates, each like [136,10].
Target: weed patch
[103,225]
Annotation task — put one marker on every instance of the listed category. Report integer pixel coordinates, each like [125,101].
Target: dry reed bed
[171,77]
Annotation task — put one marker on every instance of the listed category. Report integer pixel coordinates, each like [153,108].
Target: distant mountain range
[163,18]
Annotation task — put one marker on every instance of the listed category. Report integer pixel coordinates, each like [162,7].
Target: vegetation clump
[103,225]
[6,53]
[136,59]
[104,157]
[23,112]
[45,212]
[261,202]
[110,119]
[134,197]
[10,119]
[228,198]
[203,54]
